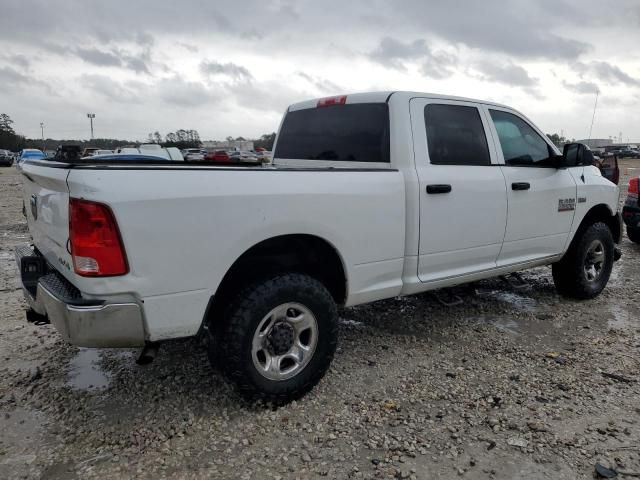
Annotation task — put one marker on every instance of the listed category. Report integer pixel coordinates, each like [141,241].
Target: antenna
[594,113]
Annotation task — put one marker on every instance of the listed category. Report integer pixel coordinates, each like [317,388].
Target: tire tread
[238,321]
[567,273]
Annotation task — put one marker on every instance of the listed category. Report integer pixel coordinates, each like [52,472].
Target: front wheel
[278,338]
[585,269]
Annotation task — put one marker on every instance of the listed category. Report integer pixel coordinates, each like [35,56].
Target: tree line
[558,140]
[191,139]
[181,138]
[9,139]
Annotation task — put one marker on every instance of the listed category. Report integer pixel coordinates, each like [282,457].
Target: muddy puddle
[88,371]
[515,300]
[85,371]
[513,325]
[621,318]
[350,323]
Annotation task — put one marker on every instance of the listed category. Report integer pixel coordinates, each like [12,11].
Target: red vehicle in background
[608,165]
[217,156]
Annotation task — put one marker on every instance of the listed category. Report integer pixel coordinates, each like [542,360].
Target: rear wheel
[633,234]
[585,269]
[278,338]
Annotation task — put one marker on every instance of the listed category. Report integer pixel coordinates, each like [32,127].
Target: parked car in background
[263,155]
[242,156]
[68,153]
[369,196]
[151,149]
[193,154]
[6,158]
[631,210]
[630,152]
[217,156]
[607,163]
[89,151]
[29,154]
[32,154]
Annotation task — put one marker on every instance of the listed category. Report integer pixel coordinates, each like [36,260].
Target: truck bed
[183,225]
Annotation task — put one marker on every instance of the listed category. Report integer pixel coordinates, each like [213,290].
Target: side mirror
[576,154]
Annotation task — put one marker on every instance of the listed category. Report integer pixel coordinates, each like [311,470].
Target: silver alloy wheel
[594,261]
[284,342]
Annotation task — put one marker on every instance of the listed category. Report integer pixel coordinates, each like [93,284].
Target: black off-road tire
[633,234]
[569,275]
[232,351]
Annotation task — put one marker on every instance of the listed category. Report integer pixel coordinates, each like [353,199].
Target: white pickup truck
[369,196]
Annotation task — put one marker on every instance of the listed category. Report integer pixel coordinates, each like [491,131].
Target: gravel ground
[509,383]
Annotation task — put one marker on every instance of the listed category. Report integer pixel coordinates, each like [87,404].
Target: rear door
[463,200]
[46,202]
[541,198]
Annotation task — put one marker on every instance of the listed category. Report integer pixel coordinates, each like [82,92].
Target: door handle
[439,188]
[520,186]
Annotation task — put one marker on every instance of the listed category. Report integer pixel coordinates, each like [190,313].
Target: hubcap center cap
[594,261]
[280,339]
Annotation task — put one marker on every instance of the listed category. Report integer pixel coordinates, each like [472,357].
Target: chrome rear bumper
[82,322]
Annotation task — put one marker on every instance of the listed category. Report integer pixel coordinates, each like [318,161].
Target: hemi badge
[582,199]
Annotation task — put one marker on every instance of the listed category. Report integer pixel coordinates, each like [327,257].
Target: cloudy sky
[231,68]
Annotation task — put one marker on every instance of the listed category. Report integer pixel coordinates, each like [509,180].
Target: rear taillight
[96,246]
[329,101]
[634,186]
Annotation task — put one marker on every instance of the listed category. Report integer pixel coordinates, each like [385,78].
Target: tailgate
[46,204]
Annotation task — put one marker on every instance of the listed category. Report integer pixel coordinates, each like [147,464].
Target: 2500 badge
[566,204]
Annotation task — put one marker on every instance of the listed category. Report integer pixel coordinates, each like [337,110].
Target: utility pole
[594,113]
[91,116]
[42,131]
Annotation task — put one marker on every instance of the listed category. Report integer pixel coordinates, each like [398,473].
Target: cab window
[455,135]
[521,144]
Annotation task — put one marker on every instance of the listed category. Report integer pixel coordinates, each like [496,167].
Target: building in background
[596,143]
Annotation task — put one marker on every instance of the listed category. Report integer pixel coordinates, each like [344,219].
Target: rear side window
[455,135]
[356,132]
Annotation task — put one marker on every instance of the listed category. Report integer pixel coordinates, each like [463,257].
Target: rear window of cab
[357,132]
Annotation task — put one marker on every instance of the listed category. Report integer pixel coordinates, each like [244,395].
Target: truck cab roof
[382,97]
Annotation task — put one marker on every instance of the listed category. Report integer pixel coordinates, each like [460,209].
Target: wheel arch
[601,213]
[302,253]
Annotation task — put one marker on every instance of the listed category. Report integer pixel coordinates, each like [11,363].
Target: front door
[463,199]
[541,198]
